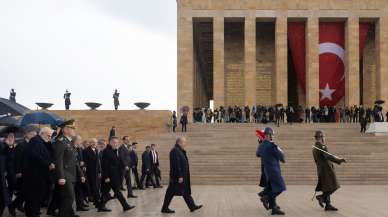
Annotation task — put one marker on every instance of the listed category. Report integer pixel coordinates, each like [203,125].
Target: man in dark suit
[125,158]
[9,153]
[80,195]
[155,165]
[111,173]
[67,168]
[93,173]
[146,168]
[134,163]
[179,178]
[29,133]
[36,165]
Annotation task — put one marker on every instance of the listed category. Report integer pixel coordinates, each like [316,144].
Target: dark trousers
[19,200]
[326,197]
[32,208]
[136,176]
[128,181]
[147,176]
[94,190]
[170,194]
[105,188]
[271,196]
[53,201]
[66,197]
[156,174]
[184,127]
[79,194]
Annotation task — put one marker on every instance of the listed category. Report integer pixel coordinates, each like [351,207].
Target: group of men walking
[271,177]
[56,170]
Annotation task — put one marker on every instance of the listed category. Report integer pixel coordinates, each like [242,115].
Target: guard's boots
[329,207]
[320,200]
[276,211]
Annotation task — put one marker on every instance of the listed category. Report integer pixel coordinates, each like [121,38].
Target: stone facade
[134,123]
[245,75]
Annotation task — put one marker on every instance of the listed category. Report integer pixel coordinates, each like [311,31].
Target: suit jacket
[92,163]
[66,163]
[146,162]
[153,160]
[125,156]
[134,158]
[111,166]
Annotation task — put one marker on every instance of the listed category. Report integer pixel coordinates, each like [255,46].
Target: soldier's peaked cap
[68,123]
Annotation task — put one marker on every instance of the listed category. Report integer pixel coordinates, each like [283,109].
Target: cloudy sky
[90,47]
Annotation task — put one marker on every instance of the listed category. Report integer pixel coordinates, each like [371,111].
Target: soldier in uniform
[67,168]
[271,155]
[116,101]
[327,180]
[66,96]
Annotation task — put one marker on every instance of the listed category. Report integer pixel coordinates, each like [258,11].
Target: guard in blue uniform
[271,156]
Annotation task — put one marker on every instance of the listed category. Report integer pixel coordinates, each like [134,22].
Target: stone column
[352,65]
[185,64]
[312,62]
[280,87]
[218,62]
[382,60]
[250,60]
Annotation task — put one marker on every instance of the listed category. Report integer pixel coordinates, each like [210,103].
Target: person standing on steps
[271,156]
[179,184]
[327,179]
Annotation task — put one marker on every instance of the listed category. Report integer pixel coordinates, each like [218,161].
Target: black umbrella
[17,130]
[10,121]
[7,106]
[379,102]
[41,117]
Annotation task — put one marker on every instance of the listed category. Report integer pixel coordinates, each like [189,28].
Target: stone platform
[242,201]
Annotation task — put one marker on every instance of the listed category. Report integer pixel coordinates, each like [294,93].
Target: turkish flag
[331,63]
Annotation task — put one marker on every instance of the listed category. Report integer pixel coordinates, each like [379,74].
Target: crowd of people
[289,114]
[54,169]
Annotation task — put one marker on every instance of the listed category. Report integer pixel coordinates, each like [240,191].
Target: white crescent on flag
[333,48]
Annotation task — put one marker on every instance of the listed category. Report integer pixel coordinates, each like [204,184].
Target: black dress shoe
[131,196]
[167,210]
[320,200]
[277,211]
[12,211]
[129,207]
[329,207]
[264,200]
[104,209]
[52,213]
[82,209]
[195,208]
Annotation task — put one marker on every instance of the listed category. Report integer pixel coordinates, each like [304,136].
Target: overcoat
[179,168]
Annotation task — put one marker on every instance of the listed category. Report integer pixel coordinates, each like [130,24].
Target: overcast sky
[90,47]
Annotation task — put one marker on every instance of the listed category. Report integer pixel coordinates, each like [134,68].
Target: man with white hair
[179,184]
[36,166]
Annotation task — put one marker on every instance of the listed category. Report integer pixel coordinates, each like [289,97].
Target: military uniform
[67,168]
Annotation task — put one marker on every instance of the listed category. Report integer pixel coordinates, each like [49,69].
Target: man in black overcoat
[36,167]
[125,158]
[155,165]
[29,133]
[111,173]
[146,168]
[179,184]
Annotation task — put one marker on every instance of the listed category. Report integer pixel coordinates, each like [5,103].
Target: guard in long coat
[271,156]
[327,179]
[263,179]
[179,178]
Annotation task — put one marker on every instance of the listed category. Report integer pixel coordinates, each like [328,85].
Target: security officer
[67,168]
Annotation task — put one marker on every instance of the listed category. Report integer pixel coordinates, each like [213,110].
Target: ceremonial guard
[263,179]
[116,101]
[67,168]
[327,180]
[66,96]
[271,156]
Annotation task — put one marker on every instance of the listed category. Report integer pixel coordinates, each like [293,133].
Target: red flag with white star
[331,63]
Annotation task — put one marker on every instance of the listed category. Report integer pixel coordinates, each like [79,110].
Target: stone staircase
[225,153]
